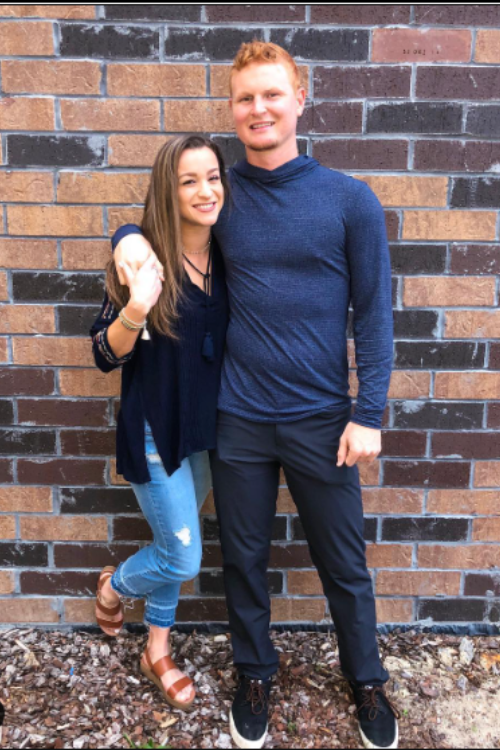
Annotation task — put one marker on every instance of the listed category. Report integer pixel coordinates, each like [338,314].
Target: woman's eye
[215,177]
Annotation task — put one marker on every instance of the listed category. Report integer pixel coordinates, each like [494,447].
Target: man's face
[266,106]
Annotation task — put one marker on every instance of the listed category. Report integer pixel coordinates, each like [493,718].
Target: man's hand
[359,443]
[134,250]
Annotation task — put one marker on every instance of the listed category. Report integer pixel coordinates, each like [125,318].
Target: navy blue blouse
[173,384]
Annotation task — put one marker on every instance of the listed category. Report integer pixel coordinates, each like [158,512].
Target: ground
[83,690]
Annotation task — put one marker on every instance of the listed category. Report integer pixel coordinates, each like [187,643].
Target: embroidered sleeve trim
[101,342]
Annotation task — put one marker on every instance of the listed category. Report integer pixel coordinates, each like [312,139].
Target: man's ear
[301,100]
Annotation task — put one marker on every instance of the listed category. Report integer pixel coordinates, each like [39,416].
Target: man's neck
[273,158]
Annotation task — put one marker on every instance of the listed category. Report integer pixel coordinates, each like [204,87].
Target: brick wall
[404,97]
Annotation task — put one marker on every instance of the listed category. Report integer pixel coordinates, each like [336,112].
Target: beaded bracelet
[129,324]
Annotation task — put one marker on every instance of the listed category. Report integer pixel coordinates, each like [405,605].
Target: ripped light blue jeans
[171,506]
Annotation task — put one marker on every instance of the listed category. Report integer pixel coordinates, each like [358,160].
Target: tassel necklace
[207,349]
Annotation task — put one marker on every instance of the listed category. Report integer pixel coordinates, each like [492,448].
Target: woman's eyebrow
[195,174]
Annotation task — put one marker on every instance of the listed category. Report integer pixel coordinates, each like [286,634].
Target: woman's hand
[133,250]
[145,285]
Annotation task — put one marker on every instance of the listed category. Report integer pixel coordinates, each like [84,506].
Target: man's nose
[258,105]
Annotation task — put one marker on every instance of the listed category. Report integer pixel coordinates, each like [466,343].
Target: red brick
[416,45]
[7,527]
[459,557]
[26,38]
[134,150]
[418,583]
[458,15]
[28,253]
[83,611]
[25,113]
[449,225]
[394,610]
[71,529]
[85,255]
[353,154]
[464,502]
[454,291]
[102,187]
[90,383]
[486,530]
[4,294]
[17,382]
[365,15]
[261,14]
[458,82]
[110,114]
[55,220]
[207,116]
[29,610]
[297,610]
[155,80]
[456,156]
[392,501]
[306,582]
[26,187]
[49,11]
[387,82]
[487,46]
[51,77]
[119,216]
[4,349]
[7,582]
[52,351]
[25,499]
[389,555]
[27,319]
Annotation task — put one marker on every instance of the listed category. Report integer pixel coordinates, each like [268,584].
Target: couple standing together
[257,376]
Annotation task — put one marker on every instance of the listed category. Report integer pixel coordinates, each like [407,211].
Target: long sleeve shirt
[168,382]
[300,243]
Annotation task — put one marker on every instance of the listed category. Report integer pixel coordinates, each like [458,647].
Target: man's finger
[352,457]
[342,452]
[126,271]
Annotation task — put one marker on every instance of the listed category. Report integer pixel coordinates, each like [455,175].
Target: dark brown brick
[17,381]
[364,15]
[482,445]
[352,154]
[6,472]
[424,529]
[6,411]
[202,610]
[483,120]
[452,610]
[388,82]
[439,355]
[290,556]
[458,15]
[331,117]
[255,13]
[417,259]
[438,416]
[88,443]
[67,582]
[131,528]
[392,224]
[92,555]
[475,259]
[403,443]
[475,192]
[332,45]
[212,556]
[65,413]
[457,82]
[415,324]
[61,471]
[456,156]
[414,117]
[480,584]
[98,500]
[426,473]
[18,555]
[494,357]
[494,416]
[23,442]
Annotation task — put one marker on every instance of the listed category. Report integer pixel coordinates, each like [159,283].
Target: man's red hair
[265,52]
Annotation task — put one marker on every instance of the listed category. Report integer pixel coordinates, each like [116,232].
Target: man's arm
[371,297]
[131,247]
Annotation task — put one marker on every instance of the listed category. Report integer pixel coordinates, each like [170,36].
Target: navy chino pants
[245,468]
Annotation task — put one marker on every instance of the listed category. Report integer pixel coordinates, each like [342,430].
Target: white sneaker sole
[240,741]
[371,746]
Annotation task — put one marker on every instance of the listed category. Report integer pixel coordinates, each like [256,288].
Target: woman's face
[201,195]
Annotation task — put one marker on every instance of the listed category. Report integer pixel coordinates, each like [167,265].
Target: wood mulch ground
[84,690]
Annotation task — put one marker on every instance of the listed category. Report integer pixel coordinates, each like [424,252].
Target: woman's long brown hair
[161,226]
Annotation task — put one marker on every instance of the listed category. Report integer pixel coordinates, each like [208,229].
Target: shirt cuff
[122,232]
[102,344]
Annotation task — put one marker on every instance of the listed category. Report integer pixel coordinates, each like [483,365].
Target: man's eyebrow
[266,91]
[194,174]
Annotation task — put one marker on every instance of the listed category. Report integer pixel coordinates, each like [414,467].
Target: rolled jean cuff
[159,621]
[120,588]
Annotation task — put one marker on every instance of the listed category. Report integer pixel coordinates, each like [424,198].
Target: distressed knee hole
[184,536]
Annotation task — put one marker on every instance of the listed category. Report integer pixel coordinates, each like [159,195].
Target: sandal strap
[165,664]
[116,625]
[178,686]
[108,610]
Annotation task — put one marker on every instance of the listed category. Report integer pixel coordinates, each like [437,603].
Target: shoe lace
[370,696]
[256,696]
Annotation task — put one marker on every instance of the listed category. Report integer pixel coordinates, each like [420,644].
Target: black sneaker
[377,717]
[249,712]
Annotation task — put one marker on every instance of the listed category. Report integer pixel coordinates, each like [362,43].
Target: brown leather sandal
[155,672]
[109,627]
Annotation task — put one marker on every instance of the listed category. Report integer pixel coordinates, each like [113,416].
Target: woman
[169,337]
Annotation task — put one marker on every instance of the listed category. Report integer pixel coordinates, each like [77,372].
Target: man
[300,242]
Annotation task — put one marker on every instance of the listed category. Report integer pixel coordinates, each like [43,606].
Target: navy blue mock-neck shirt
[300,243]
